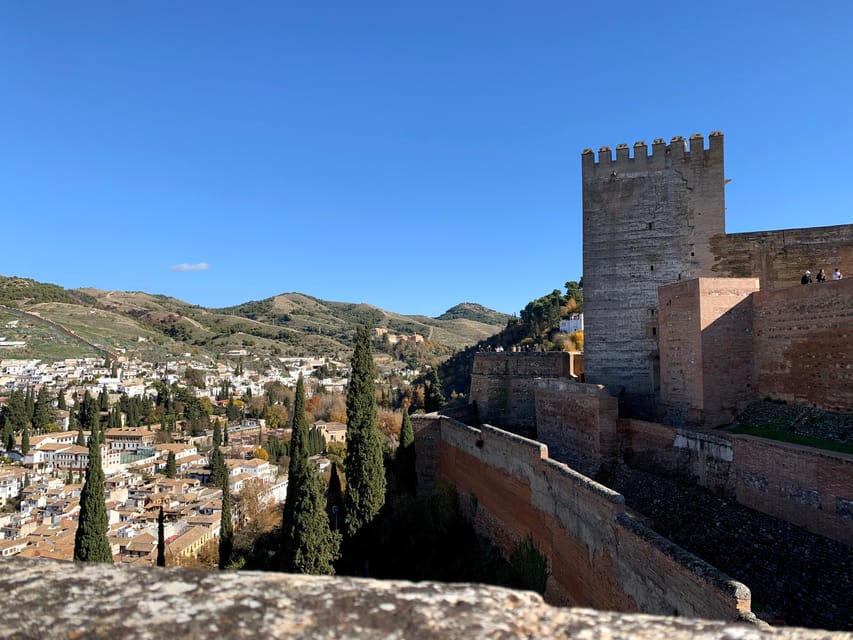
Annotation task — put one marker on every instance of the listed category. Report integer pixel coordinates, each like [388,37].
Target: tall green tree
[308,544]
[335,498]
[81,438]
[407,477]
[226,529]
[8,436]
[433,397]
[43,413]
[103,400]
[89,415]
[90,540]
[30,404]
[60,400]
[365,473]
[232,411]
[161,539]
[217,434]
[15,411]
[25,441]
[297,470]
[171,466]
[218,468]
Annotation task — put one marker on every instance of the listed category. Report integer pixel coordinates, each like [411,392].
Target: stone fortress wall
[653,221]
[597,554]
[684,324]
[581,426]
[647,222]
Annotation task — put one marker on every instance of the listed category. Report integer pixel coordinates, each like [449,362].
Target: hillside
[57,323]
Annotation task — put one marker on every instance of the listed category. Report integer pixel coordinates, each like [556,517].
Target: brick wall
[598,556]
[577,422]
[804,344]
[807,487]
[778,258]
[705,350]
[810,488]
[503,385]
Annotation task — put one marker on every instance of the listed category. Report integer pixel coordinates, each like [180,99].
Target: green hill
[57,323]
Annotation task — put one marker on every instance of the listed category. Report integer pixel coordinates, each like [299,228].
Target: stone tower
[647,222]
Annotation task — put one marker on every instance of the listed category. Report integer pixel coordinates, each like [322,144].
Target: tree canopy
[365,473]
[90,540]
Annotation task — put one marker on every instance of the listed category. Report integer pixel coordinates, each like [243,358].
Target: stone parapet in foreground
[48,599]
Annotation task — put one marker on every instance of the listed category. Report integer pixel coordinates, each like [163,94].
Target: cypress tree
[90,540]
[8,436]
[161,539]
[226,529]
[308,545]
[30,404]
[42,414]
[89,417]
[297,470]
[218,469]
[217,434]
[25,441]
[81,438]
[60,400]
[335,498]
[15,412]
[365,492]
[171,466]
[433,398]
[407,477]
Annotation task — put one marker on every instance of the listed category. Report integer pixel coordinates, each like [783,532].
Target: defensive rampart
[503,385]
[779,258]
[808,487]
[598,556]
[647,222]
[706,350]
[577,422]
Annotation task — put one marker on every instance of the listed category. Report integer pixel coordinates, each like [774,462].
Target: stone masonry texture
[70,600]
[647,222]
[597,554]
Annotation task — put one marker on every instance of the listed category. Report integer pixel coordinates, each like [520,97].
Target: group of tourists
[821,276]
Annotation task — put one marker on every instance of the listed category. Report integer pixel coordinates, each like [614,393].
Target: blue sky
[407,155]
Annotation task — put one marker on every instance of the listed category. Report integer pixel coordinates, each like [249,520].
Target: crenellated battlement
[663,155]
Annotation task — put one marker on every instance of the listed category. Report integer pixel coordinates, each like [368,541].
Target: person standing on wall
[821,276]
[807,278]
[836,275]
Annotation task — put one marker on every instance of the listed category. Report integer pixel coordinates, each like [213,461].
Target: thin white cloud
[201,266]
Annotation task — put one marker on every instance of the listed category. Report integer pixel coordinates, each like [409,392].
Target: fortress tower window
[650,225]
[653,267]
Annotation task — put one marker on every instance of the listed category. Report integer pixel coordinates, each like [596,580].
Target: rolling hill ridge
[56,323]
